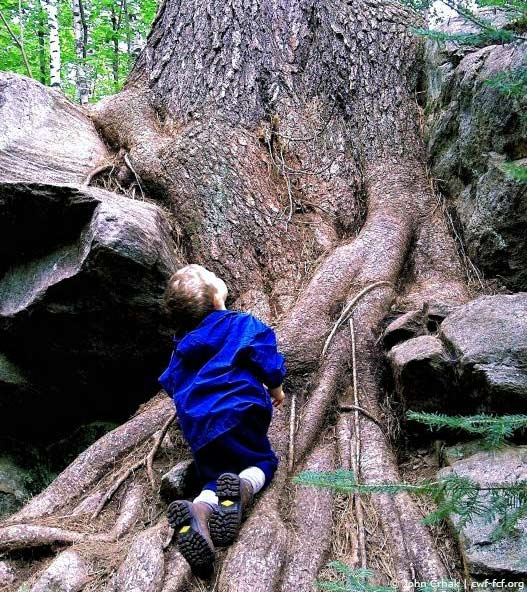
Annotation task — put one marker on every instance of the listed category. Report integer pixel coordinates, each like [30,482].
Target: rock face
[485,557]
[23,472]
[473,128]
[43,136]
[80,319]
[476,361]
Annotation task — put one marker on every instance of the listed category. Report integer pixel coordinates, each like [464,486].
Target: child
[216,376]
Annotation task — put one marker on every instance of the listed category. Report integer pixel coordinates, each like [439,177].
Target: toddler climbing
[221,361]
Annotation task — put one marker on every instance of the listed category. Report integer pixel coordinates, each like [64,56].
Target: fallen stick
[356,457]
[155,448]
[344,315]
[145,461]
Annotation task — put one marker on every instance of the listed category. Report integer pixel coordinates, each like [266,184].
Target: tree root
[177,571]
[68,572]
[130,511]
[152,454]
[256,559]
[145,461]
[144,566]
[23,536]
[309,538]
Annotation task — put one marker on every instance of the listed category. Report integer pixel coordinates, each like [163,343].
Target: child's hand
[277,394]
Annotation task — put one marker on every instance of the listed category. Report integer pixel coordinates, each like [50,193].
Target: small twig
[356,459]
[137,178]
[347,310]
[109,494]
[155,448]
[345,407]
[292,422]
[145,461]
[94,172]
[18,42]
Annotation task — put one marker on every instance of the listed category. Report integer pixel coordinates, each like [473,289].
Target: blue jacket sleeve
[262,355]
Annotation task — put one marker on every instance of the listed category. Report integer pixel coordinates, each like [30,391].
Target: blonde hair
[188,297]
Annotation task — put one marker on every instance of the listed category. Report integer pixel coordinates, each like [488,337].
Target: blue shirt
[216,373]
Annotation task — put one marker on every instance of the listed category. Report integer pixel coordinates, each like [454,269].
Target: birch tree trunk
[80,31]
[54,43]
[42,44]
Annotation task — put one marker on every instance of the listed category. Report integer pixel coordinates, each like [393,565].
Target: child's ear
[217,300]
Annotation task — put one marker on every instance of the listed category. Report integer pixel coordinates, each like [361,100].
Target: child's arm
[277,394]
[264,359]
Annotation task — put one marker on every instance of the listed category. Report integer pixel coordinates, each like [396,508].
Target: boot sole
[225,521]
[190,543]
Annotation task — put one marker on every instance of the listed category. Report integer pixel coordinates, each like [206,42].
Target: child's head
[192,293]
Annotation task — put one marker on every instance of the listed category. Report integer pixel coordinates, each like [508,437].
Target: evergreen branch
[495,430]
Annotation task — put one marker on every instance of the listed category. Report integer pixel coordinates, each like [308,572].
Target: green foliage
[347,579]
[350,580]
[454,496]
[116,31]
[493,429]
[516,172]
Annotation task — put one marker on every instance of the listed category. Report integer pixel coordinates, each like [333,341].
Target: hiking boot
[235,496]
[192,536]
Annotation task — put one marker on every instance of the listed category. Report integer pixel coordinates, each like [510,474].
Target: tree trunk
[80,31]
[284,137]
[115,42]
[54,43]
[42,44]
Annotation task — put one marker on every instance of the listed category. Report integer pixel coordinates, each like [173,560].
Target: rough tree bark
[284,136]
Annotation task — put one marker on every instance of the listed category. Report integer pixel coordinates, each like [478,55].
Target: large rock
[485,557]
[80,315]
[423,373]
[44,137]
[488,338]
[473,129]
[477,361]
[23,472]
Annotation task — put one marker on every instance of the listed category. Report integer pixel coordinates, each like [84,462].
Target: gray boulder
[43,136]
[484,556]
[423,373]
[476,362]
[473,129]
[80,304]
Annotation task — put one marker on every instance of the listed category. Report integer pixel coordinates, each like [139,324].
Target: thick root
[144,567]
[130,511]
[22,536]
[254,562]
[68,572]
[309,539]
[177,571]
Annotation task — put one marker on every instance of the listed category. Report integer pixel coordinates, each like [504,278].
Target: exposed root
[23,536]
[152,454]
[255,560]
[309,538]
[145,461]
[144,566]
[68,572]
[348,309]
[130,511]
[96,171]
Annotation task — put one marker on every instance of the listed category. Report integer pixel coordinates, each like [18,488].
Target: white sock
[255,476]
[208,496]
